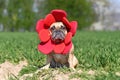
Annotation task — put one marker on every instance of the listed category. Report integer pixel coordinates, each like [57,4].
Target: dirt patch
[54,74]
[91,72]
[7,69]
[117,73]
[60,75]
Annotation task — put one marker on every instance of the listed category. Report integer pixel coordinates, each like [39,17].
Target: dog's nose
[58,31]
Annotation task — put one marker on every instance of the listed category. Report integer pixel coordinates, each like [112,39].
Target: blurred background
[22,15]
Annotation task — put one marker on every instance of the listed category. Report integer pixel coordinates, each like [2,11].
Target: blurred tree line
[79,10]
[17,14]
[20,14]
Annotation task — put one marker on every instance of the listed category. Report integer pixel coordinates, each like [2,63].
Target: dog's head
[58,32]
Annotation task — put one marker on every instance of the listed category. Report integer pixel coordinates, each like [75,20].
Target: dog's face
[58,32]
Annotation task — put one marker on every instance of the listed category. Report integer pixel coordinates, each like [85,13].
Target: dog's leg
[75,61]
[70,61]
[49,59]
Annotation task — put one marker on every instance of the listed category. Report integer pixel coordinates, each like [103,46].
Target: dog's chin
[57,41]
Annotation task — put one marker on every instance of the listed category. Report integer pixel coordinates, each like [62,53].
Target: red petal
[67,48]
[59,48]
[73,27]
[46,48]
[66,22]
[44,35]
[39,25]
[49,19]
[68,38]
[58,14]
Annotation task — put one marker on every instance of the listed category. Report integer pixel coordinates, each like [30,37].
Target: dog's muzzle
[58,36]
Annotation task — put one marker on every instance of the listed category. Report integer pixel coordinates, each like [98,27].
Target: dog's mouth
[57,41]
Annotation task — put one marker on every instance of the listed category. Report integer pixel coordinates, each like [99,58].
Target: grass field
[97,51]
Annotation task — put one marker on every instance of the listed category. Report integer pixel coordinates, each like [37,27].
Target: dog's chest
[60,58]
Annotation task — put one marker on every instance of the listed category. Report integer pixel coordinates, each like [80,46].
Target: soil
[8,69]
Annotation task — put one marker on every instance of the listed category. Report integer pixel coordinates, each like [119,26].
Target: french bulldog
[58,33]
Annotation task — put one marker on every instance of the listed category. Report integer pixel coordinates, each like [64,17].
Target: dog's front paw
[46,66]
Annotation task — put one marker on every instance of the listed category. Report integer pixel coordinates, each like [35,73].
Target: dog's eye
[63,27]
[52,28]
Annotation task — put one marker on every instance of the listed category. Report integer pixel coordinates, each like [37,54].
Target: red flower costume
[47,46]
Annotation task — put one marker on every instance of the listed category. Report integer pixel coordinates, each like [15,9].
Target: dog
[58,32]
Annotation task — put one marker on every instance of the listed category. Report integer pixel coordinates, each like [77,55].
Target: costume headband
[46,45]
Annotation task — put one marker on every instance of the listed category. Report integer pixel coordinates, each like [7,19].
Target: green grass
[99,51]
